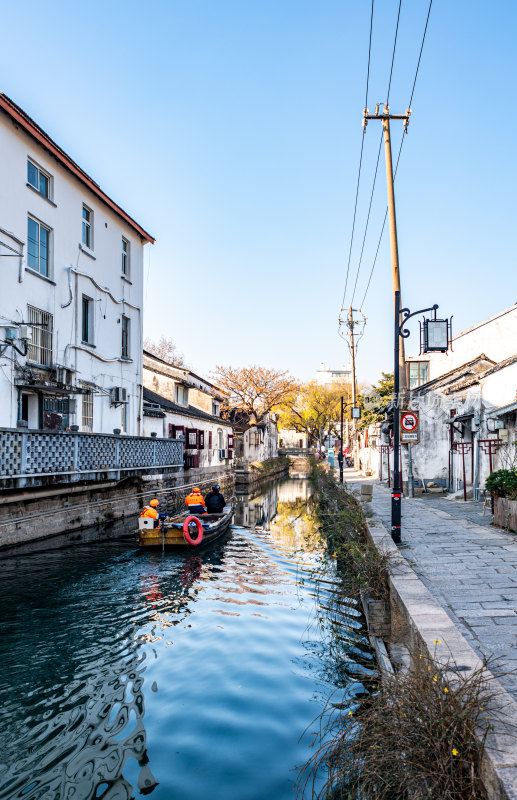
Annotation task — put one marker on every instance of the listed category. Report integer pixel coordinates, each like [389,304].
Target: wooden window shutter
[201,440]
[230,441]
[209,440]
[172,431]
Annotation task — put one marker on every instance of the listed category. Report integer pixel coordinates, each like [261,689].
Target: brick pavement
[470,568]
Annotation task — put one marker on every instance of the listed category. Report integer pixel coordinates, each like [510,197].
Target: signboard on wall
[409,427]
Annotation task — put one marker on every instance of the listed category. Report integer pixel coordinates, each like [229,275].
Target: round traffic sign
[409,422]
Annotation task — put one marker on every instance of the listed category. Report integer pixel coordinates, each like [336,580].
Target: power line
[360,157]
[401,145]
[378,155]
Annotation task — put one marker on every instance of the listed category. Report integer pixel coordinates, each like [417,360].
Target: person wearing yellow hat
[151,510]
[195,502]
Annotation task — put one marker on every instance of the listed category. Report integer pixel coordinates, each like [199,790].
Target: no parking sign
[409,427]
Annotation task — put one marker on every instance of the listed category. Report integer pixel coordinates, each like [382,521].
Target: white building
[178,403]
[71,306]
[325,375]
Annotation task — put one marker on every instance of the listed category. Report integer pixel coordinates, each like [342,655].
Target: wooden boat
[170,533]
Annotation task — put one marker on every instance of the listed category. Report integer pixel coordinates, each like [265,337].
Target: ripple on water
[200,671]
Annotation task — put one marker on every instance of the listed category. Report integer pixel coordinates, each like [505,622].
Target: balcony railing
[26,457]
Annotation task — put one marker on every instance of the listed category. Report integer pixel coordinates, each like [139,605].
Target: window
[418,373]
[88,227]
[124,419]
[125,337]
[87,320]
[55,413]
[40,347]
[125,257]
[39,179]
[181,395]
[192,439]
[38,246]
[215,409]
[87,410]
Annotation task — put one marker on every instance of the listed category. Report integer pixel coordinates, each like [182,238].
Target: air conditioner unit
[64,375]
[118,395]
[26,333]
[11,334]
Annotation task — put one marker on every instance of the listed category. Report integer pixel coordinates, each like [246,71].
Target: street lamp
[436,336]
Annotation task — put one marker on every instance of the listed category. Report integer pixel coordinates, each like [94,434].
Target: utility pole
[351,323]
[399,367]
[341,456]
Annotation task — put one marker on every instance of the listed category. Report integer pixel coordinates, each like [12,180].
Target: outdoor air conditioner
[64,375]
[26,333]
[118,395]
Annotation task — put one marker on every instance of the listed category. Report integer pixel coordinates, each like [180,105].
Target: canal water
[190,676]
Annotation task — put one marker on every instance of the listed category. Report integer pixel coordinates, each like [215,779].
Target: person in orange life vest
[151,511]
[194,501]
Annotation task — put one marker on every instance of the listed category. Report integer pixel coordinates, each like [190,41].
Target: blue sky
[231,129]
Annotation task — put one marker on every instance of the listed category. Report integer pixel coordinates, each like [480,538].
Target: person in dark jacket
[214,500]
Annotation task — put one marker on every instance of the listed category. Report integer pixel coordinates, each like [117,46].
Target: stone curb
[432,632]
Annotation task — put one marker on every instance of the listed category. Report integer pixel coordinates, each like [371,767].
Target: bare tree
[166,349]
[255,390]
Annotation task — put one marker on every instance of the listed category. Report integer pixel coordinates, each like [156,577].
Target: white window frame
[127,338]
[46,174]
[87,409]
[125,257]
[183,391]
[87,227]
[124,416]
[90,320]
[50,232]
[40,346]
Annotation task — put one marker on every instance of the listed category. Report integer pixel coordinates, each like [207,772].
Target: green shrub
[503,483]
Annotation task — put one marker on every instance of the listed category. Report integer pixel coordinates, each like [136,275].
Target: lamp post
[436,333]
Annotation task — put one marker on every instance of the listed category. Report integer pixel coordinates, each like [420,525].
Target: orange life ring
[188,538]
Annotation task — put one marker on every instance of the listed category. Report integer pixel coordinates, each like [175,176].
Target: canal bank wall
[419,623]
[35,514]
[256,473]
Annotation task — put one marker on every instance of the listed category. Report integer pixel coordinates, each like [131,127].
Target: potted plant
[502,486]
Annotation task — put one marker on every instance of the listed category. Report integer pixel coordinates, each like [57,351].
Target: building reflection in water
[283,510]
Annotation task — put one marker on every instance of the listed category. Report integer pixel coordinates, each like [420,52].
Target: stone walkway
[470,568]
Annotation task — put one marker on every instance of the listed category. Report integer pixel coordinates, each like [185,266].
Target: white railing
[74,456]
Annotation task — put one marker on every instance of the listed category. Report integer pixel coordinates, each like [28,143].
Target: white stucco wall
[73,272]
[208,456]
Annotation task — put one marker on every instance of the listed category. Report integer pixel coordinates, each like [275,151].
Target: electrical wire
[400,148]
[360,158]
[378,155]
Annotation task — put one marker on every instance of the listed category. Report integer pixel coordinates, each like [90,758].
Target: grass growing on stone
[418,735]
[414,739]
[342,525]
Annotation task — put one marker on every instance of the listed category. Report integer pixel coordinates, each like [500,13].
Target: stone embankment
[257,472]
[38,513]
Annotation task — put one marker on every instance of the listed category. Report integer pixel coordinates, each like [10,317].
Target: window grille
[40,346]
[87,410]
[125,337]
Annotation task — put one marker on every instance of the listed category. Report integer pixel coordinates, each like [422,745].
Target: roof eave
[37,133]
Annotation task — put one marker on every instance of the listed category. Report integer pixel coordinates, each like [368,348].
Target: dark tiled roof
[187,411]
[477,365]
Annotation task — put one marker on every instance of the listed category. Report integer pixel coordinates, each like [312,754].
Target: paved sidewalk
[471,569]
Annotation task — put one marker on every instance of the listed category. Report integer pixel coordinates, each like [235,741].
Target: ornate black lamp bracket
[407,314]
